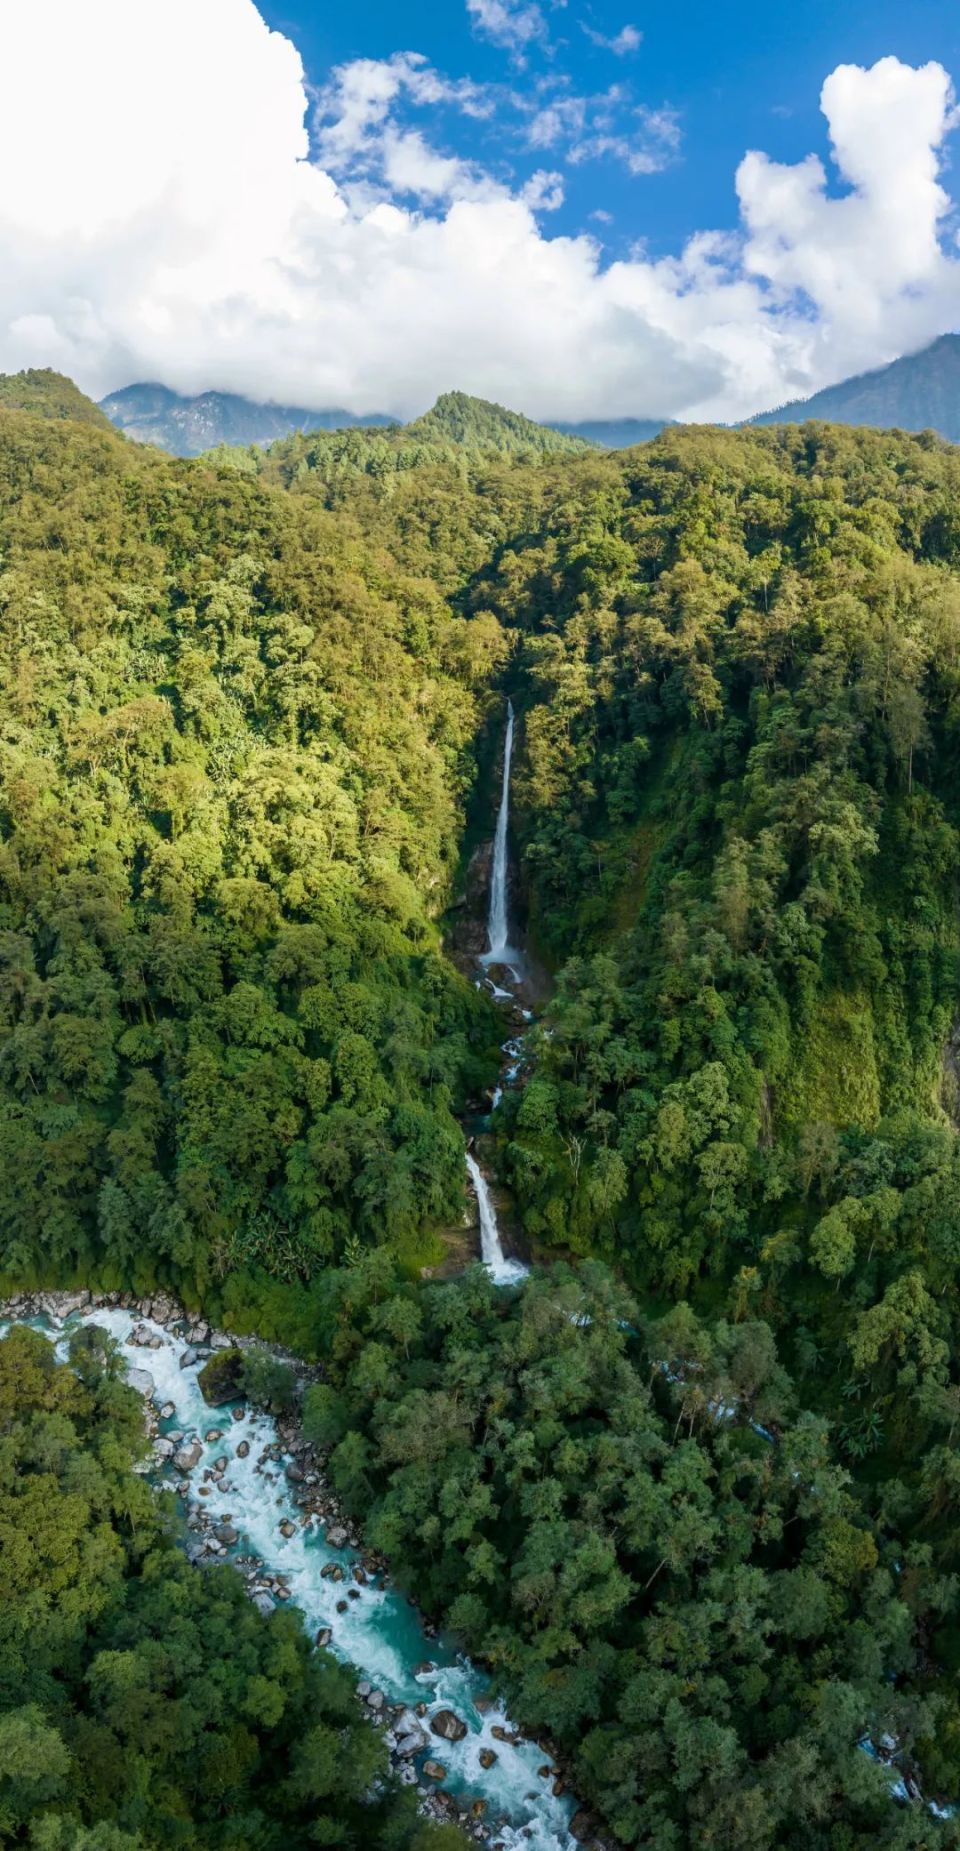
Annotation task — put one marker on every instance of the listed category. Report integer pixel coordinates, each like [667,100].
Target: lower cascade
[375,1630]
[502,1271]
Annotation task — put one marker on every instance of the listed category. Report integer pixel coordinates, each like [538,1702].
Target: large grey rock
[411,1742]
[66,1304]
[226,1534]
[188,1357]
[337,1536]
[188,1456]
[164,1449]
[141,1380]
[448,1726]
[263,1602]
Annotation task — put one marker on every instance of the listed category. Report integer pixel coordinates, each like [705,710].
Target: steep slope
[919,392]
[187,426]
[47,394]
[232,765]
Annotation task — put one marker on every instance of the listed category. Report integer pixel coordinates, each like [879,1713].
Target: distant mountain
[48,395]
[478,424]
[188,426]
[615,433]
[920,392]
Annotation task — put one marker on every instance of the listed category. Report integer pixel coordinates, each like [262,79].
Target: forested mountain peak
[479,424]
[918,392]
[48,394]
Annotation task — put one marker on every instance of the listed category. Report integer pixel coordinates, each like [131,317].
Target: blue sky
[740,74]
[581,209]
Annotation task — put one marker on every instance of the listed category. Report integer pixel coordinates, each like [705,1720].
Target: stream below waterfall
[378,1631]
[372,1627]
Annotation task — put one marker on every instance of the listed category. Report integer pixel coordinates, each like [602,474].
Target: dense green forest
[243,705]
[234,747]
[144,1704]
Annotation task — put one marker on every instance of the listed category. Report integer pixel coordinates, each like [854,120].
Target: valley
[260,720]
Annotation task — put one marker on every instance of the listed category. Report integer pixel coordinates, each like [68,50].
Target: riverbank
[254,1493]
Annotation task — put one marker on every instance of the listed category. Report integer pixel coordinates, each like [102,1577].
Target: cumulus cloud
[162,216]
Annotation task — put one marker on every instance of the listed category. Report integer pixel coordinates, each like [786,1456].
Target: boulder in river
[226,1534]
[448,1726]
[337,1536]
[410,1741]
[220,1379]
[188,1456]
[263,1601]
[487,1757]
[435,1770]
[141,1380]
[324,1636]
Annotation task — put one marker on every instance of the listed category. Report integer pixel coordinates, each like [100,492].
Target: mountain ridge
[188,425]
[916,392]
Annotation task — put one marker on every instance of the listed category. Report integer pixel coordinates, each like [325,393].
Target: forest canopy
[693,1495]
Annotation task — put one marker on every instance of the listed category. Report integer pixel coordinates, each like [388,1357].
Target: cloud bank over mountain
[174,204]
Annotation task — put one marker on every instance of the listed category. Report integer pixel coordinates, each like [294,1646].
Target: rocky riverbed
[254,1493]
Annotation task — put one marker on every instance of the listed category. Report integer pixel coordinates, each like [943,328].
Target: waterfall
[502,1271]
[497,929]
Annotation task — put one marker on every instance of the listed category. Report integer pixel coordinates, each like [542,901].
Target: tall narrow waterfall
[497,928]
[502,1271]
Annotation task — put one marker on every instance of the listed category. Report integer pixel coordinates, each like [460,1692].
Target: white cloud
[543,191]
[627,40]
[160,217]
[647,146]
[515,24]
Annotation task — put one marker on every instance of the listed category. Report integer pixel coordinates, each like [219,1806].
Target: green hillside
[691,1491]
[476,424]
[47,394]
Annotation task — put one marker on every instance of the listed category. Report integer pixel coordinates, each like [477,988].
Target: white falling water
[502,1271]
[499,950]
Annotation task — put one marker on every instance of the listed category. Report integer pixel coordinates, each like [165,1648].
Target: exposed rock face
[188,1456]
[448,1726]
[435,1770]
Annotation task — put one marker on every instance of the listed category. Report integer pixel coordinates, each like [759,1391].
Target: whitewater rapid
[380,1633]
